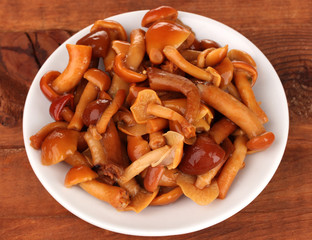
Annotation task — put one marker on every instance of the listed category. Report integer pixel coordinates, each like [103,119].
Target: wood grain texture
[31,30]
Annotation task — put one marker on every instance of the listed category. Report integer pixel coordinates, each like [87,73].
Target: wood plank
[43,15]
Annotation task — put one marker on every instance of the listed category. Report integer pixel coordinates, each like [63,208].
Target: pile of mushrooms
[162,118]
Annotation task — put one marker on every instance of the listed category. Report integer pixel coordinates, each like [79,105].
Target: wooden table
[31,30]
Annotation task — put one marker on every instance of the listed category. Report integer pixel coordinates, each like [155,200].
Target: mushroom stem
[110,111]
[125,73]
[156,124]
[248,97]
[160,111]
[98,78]
[136,50]
[79,60]
[45,85]
[89,94]
[156,140]
[174,56]
[232,109]
[116,196]
[162,80]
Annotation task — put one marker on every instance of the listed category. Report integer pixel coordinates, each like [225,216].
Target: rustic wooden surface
[31,30]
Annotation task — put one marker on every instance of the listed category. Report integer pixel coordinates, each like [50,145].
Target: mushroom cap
[58,104]
[79,174]
[160,13]
[200,196]
[144,98]
[247,68]
[98,40]
[239,55]
[58,145]
[115,30]
[164,33]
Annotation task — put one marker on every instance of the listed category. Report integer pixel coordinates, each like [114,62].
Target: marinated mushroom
[143,162]
[168,197]
[78,175]
[79,60]
[60,108]
[239,55]
[124,72]
[137,147]
[202,156]
[116,196]
[173,55]
[148,106]
[162,80]
[117,102]
[94,111]
[89,94]
[158,14]
[98,40]
[162,34]
[45,85]
[242,75]
[58,145]
[232,109]
[37,139]
[176,142]
[200,196]
[152,177]
[211,56]
[115,30]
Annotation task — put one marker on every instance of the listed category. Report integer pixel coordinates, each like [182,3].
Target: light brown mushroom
[127,124]
[242,75]
[126,73]
[161,34]
[162,80]
[58,145]
[79,60]
[37,139]
[115,30]
[79,174]
[232,108]
[110,111]
[89,94]
[148,106]
[116,196]
[137,147]
[176,142]
[45,85]
[173,55]
[156,140]
[157,14]
[143,162]
[211,56]
[239,55]
[136,50]
[98,81]
[167,198]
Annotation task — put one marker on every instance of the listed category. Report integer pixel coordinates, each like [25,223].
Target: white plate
[183,216]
